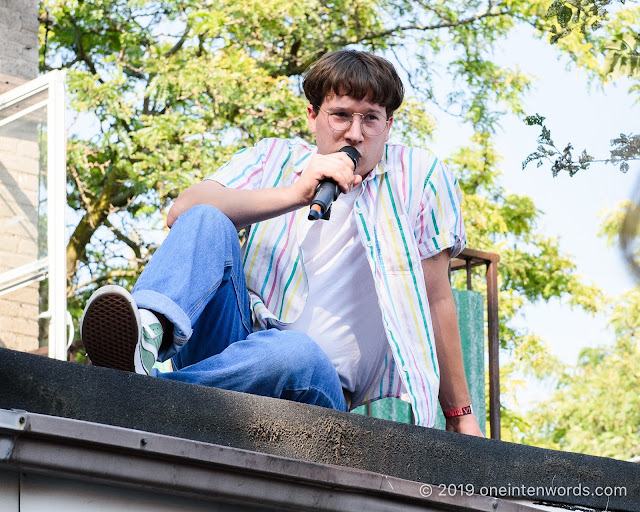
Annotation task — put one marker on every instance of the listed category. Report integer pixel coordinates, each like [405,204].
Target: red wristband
[458,411]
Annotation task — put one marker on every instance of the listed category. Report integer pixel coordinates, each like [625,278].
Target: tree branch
[292,70]
[121,272]
[82,53]
[178,45]
[123,238]
[450,24]
[81,186]
[129,71]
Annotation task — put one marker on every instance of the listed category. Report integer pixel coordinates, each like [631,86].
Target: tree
[596,406]
[607,47]
[174,87]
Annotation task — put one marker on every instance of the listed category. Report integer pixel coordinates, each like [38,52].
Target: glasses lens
[372,124]
[339,120]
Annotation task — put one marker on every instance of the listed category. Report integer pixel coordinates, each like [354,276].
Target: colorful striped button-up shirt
[408,209]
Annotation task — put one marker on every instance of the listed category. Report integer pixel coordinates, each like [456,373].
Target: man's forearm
[243,207]
[454,391]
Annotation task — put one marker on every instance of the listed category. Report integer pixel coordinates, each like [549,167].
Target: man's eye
[372,118]
[341,115]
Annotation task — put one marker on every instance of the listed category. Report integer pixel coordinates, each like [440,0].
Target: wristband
[458,411]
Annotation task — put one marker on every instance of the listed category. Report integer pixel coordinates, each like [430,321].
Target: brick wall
[19,169]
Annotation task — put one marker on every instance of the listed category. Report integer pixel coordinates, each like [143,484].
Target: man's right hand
[336,166]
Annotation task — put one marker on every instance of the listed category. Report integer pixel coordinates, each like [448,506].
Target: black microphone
[328,190]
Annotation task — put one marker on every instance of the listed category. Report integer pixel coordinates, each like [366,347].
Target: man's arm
[454,391]
[245,207]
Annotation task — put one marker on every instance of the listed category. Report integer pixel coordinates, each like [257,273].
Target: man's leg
[195,279]
[198,268]
[279,364]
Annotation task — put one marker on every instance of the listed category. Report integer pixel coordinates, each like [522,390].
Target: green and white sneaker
[114,335]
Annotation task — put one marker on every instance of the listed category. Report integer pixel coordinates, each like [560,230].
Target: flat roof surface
[81,463]
[448,461]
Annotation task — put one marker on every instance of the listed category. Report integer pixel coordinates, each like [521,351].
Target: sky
[589,118]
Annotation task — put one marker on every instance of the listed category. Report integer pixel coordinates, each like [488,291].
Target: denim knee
[299,355]
[208,216]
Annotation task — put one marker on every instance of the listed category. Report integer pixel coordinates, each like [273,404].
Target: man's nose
[355,133]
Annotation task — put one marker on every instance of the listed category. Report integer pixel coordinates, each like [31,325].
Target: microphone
[328,190]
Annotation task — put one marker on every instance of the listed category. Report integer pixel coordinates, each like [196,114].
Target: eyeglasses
[372,124]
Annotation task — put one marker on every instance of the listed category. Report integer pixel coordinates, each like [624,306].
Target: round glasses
[340,120]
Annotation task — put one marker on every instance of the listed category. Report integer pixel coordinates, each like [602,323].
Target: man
[344,310]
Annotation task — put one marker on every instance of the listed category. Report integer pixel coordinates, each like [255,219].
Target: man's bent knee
[298,353]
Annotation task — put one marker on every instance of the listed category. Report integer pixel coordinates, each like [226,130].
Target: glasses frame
[329,112]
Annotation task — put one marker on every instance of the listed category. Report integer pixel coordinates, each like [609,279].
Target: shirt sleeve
[244,169]
[439,224]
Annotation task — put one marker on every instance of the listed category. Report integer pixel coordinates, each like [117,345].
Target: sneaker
[113,334]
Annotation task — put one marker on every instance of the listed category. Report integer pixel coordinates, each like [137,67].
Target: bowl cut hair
[356,74]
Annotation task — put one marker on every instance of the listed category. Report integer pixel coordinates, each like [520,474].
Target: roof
[451,462]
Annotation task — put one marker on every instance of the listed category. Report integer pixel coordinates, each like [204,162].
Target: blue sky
[588,117]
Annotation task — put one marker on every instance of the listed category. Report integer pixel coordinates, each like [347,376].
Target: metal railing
[468,259]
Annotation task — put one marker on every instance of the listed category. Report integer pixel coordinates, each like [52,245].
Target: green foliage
[596,406]
[612,220]
[623,57]
[606,46]
[584,15]
[625,148]
[622,227]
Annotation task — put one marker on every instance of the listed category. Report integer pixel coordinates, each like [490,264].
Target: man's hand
[336,166]
[467,424]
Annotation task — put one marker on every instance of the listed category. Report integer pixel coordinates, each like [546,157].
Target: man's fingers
[336,166]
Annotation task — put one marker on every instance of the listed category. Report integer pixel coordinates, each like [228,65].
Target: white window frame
[54,266]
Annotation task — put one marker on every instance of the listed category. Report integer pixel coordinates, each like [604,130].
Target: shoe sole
[110,329]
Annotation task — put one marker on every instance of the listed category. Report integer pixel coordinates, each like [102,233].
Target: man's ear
[389,129]
[311,116]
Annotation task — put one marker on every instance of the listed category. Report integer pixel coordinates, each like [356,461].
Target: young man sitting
[334,312]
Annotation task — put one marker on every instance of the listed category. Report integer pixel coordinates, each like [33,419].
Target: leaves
[596,406]
[622,58]
[626,147]
[580,17]
[564,16]
[535,119]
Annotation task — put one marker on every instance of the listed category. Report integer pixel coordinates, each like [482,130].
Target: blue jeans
[196,280]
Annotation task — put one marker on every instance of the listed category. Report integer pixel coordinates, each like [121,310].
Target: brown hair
[356,74]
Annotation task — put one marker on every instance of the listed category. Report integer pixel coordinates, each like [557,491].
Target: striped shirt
[408,210]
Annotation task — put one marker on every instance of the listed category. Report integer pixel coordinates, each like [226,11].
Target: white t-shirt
[343,316]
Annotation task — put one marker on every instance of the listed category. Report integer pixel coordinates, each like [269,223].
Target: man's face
[371,148]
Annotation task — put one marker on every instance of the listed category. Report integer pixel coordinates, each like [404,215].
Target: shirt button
[369,243]
[359,211]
